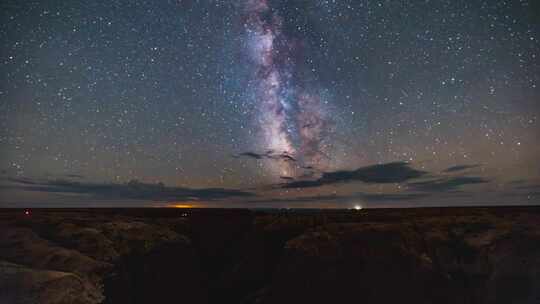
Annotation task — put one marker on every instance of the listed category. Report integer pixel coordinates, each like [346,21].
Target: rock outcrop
[19,284]
[436,260]
[455,255]
[52,257]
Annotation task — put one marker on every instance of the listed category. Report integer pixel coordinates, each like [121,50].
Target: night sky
[263,103]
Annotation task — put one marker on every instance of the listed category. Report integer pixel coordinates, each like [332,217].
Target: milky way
[292,121]
[253,94]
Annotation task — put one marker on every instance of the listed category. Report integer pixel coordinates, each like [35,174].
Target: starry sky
[269,103]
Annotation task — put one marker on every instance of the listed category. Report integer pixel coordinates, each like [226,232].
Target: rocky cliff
[454,255]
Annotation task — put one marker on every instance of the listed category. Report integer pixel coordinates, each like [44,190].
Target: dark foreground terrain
[444,255]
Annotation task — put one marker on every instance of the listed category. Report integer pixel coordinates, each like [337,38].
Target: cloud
[376,197]
[74,176]
[22,180]
[301,199]
[270,154]
[303,184]
[518,182]
[132,190]
[446,184]
[460,168]
[527,185]
[395,172]
[346,199]
[252,155]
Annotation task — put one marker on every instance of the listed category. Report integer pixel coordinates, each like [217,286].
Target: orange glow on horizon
[187,204]
[181,206]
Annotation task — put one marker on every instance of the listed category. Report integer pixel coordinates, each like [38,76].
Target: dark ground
[430,255]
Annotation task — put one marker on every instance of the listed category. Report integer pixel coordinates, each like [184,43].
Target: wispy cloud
[79,176]
[132,190]
[270,154]
[346,198]
[446,184]
[395,172]
[394,196]
[460,168]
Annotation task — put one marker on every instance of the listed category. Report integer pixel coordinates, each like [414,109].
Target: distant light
[27,212]
[357,207]
[184,206]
